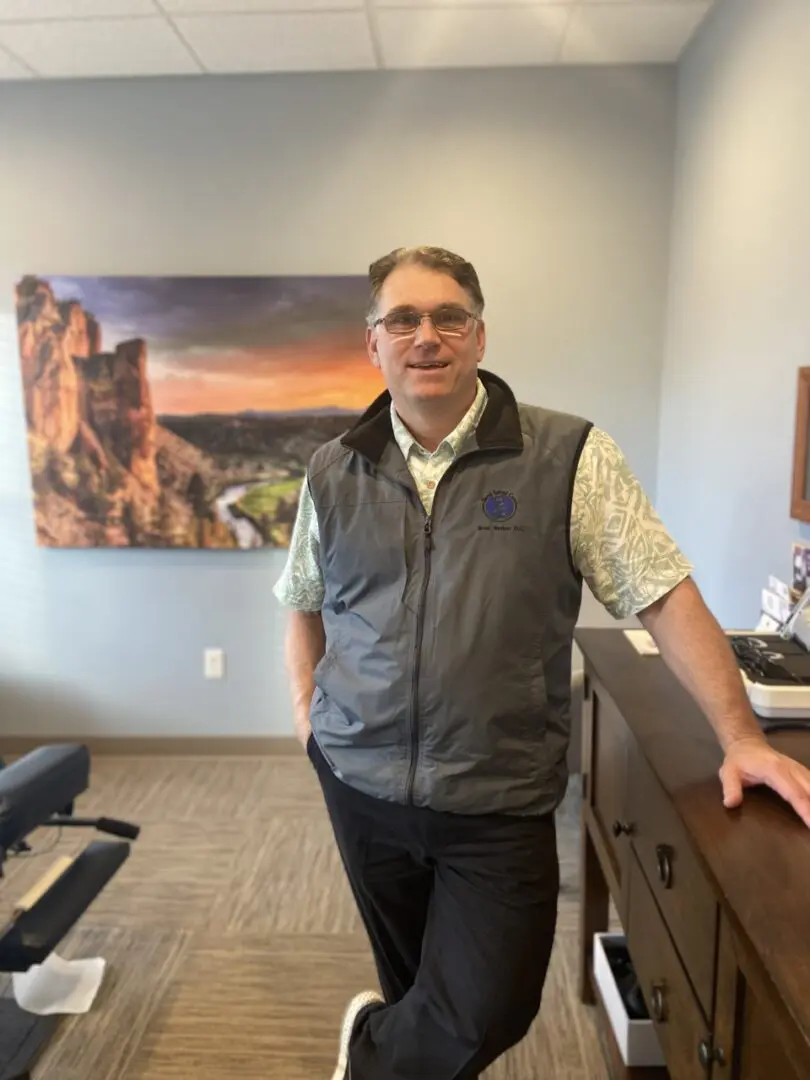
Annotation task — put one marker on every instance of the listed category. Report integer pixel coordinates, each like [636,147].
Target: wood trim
[729,993]
[799,505]
[157,746]
[170,745]
[594,910]
[594,827]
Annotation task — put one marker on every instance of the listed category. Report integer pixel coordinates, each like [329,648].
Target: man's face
[426,365]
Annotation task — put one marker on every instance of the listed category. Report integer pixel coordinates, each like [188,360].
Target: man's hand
[305,644]
[303,729]
[695,648]
[751,761]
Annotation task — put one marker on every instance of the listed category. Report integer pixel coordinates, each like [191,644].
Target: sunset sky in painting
[226,345]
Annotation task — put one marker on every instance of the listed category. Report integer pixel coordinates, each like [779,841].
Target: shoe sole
[355,1009]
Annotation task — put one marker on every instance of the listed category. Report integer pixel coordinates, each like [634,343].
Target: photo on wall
[181,412]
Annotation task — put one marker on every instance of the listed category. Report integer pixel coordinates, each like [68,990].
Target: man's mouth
[429,365]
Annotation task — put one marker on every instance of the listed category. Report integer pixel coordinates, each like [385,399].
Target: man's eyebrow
[438,307]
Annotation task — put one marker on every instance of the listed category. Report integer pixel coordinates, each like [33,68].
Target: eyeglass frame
[429,315]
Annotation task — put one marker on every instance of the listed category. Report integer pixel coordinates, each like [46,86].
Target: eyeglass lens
[446,320]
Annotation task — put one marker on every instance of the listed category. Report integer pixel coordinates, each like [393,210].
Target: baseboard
[156,745]
[203,745]
[12,746]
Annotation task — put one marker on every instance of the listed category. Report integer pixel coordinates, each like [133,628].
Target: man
[435,578]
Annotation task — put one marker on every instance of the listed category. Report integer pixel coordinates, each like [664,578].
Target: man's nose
[426,332]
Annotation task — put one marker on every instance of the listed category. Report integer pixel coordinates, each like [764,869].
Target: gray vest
[447,673]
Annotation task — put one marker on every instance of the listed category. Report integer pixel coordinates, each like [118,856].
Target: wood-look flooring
[231,939]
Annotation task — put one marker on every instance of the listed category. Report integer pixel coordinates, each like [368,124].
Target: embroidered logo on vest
[499,505]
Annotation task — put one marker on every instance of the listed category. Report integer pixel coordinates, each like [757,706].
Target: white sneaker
[357,1006]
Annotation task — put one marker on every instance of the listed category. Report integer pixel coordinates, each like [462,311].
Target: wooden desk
[715,904]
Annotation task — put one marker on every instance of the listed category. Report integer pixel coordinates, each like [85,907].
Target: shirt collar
[455,440]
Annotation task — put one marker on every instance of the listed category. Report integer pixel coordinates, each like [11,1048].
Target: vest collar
[498,428]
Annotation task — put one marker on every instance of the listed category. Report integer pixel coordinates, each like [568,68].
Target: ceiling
[98,38]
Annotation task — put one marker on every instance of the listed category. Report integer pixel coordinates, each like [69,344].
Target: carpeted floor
[230,936]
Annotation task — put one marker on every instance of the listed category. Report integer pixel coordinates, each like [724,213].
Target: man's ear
[481,339]
[371,346]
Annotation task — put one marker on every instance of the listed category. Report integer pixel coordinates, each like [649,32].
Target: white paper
[58,985]
[642,642]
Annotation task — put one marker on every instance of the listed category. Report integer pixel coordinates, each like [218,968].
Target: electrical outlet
[214,663]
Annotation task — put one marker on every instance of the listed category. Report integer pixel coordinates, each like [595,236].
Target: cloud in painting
[178,313]
[228,343]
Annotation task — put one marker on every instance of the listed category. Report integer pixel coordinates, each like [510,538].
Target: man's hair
[433,258]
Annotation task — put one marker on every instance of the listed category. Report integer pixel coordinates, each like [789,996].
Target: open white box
[637,1040]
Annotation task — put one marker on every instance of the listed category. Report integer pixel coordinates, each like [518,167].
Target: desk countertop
[758,856]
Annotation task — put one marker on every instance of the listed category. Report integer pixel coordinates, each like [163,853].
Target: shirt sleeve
[618,542]
[300,586]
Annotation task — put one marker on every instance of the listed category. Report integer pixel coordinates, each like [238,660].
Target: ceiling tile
[10,69]
[98,48]
[433,4]
[619,3]
[472,37]
[247,7]
[33,10]
[642,32]
[325,41]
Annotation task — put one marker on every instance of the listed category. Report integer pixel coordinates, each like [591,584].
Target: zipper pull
[428,534]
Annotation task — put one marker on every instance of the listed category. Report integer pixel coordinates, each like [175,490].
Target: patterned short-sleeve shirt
[618,542]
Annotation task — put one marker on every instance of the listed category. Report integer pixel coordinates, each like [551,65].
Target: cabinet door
[607,783]
[752,1041]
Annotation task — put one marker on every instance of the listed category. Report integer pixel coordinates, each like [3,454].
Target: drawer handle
[708,1054]
[622,828]
[658,1004]
[663,854]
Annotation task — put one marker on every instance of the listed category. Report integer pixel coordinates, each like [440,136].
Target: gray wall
[557,184]
[739,302]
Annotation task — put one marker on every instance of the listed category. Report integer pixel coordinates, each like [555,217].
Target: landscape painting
[181,412]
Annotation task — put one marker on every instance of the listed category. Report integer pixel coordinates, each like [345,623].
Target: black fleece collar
[498,428]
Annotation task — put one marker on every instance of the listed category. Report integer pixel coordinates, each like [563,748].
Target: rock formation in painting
[104,472]
[107,472]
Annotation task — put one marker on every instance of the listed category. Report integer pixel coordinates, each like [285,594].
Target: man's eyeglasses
[451,320]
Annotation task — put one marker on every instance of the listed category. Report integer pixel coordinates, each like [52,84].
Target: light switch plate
[214,663]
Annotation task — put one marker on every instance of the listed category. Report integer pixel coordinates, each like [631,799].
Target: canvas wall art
[182,411]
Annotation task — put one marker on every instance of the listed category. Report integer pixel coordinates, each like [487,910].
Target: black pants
[461,912]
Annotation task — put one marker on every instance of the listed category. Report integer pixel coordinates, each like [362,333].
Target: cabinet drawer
[683,894]
[672,1004]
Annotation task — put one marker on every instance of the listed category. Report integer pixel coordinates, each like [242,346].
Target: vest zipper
[420,619]
[420,628]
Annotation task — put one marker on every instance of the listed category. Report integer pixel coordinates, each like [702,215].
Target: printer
[774,666]
[775,670]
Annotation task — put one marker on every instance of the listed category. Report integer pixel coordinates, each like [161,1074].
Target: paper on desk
[642,642]
[58,985]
